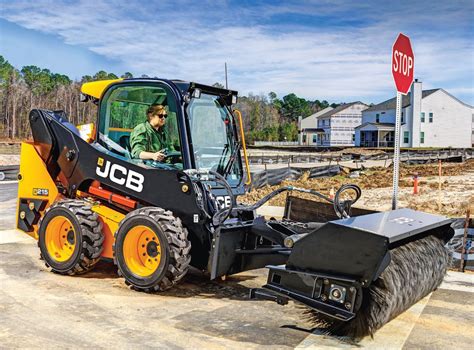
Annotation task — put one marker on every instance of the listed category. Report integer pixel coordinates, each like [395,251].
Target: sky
[336,50]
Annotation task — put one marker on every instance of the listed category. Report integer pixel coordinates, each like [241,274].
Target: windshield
[213,137]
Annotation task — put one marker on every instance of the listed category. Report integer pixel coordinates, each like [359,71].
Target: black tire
[88,237]
[174,246]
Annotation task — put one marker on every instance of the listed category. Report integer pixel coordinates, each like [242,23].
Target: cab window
[125,109]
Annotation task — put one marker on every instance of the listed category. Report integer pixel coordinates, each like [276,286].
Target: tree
[218,85]
[294,107]
[61,79]
[86,79]
[103,75]
[8,77]
[265,116]
[274,101]
[5,70]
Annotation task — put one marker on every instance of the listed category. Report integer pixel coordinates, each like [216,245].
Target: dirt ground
[457,188]
[9,159]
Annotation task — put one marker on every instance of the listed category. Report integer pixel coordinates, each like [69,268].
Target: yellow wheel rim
[142,251]
[60,239]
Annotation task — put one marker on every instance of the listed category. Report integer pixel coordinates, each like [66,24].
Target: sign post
[403,65]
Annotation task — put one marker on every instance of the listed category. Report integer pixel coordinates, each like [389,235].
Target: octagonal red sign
[403,63]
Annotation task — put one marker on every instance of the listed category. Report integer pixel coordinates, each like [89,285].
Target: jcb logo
[223,201]
[120,175]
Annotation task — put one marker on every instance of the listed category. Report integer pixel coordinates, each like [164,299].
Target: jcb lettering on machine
[120,175]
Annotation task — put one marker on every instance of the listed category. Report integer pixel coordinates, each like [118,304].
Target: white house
[336,126]
[308,128]
[430,118]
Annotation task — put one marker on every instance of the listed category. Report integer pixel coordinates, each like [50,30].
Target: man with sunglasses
[149,140]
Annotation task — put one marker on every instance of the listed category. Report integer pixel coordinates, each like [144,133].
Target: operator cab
[200,129]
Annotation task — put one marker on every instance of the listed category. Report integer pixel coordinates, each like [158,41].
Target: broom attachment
[357,274]
[416,270]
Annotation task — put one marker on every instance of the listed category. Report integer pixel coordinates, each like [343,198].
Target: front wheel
[151,249]
[70,237]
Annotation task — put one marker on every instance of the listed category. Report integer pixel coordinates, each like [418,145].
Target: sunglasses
[162,116]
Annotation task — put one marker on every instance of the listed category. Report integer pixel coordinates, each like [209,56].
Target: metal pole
[225,64]
[396,151]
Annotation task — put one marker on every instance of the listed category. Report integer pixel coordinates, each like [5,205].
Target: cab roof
[96,88]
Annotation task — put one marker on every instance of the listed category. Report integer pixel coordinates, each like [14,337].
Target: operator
[149,140]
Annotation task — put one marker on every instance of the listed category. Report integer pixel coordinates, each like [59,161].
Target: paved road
[40,309]
[8,193]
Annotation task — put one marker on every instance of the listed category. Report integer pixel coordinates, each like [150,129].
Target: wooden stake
[439,175]
[439,185]
[464,239]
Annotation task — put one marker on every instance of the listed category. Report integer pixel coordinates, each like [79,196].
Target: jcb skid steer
[84,195]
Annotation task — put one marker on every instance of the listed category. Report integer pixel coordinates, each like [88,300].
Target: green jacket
[145,138]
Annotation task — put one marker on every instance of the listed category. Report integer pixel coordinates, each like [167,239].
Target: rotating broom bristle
[416,270]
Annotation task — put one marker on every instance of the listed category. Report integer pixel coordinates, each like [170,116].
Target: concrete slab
[14,236]
[99,310]
[40,309]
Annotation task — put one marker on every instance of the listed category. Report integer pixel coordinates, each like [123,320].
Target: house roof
[320,130]
[392,103]
[310,121]
[338,109]
[377,125]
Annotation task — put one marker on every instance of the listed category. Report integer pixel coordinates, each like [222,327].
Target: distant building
[308,128]
[430,118]
[335,127]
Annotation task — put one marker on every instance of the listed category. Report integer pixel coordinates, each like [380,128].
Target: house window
[422,117]
[377,118]
[430,117]
[315,138]
[406,137]
[422,137]
[353,137]
[304,138]
[403,118]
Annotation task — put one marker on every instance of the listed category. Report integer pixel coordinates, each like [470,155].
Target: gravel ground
[457,188]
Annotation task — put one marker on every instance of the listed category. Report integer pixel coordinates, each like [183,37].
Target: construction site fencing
[410,157]
[272,177]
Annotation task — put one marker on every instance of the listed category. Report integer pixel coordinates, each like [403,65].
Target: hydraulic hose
[340,208]
[221,215]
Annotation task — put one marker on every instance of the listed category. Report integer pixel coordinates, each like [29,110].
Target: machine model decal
[120,175]
[402,220]
[40,192]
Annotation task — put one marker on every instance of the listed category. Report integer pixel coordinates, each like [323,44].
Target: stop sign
[403,63]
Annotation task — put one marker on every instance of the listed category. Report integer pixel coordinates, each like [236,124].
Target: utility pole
[225,66]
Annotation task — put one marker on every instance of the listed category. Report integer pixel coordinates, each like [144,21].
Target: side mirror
[83,97]
[197,93]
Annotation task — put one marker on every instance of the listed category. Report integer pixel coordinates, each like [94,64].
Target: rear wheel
[70,237]
[151,249]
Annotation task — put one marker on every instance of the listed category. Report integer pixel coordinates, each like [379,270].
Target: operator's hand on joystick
[159,156]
